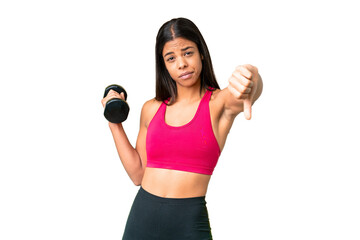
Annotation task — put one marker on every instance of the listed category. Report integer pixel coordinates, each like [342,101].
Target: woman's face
[183,61]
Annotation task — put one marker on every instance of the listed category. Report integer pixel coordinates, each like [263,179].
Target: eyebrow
[184,49]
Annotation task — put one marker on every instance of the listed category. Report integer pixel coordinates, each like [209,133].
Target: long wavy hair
[180,27]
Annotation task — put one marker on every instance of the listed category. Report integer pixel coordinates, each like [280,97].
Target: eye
[170,59]
[188,53]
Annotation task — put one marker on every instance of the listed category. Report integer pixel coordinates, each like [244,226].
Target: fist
[112,94]
[243,85]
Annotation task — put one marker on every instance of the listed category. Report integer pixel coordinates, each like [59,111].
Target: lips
[186,75]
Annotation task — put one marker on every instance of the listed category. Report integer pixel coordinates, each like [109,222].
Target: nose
[182,63]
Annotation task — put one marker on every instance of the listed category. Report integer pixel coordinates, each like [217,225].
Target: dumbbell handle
[116,88]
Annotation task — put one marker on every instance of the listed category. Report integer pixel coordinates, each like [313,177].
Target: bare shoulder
[151,105]
[222,95]
[218,95]
[149,109]
[216,103]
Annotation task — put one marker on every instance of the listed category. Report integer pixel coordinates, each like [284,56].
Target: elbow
[137,179]
[137,183]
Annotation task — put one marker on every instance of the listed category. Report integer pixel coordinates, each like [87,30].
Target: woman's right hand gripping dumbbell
[114,101]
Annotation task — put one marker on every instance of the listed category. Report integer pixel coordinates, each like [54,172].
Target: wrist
[115,125]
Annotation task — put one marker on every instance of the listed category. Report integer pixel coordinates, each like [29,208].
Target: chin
[188,83]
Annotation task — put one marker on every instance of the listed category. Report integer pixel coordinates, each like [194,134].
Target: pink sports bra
[191,147]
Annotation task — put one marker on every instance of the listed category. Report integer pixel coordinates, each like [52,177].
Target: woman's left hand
[243,84]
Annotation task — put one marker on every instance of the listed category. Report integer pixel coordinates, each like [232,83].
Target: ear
[202,57]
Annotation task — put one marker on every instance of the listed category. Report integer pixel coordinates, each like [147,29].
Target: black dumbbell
[116,109]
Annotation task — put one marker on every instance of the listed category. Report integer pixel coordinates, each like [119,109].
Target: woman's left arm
[245,87]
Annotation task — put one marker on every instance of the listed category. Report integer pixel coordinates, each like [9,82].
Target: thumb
[248,103]
[247,108]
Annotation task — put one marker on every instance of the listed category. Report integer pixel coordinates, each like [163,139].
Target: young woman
[182,132]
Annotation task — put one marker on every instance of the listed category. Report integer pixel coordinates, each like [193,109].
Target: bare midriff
[174,184]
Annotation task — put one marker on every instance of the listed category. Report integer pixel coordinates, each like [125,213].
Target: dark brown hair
[180,27]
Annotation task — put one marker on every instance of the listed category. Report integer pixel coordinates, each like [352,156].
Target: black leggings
[152,217]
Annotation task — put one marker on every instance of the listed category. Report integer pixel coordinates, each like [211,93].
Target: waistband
[193,200]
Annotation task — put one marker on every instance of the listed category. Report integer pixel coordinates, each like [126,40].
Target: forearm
[129,157]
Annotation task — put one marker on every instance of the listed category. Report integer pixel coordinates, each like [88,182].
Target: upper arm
[222,116]
[147,113]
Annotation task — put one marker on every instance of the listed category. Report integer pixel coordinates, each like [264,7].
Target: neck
[189,94]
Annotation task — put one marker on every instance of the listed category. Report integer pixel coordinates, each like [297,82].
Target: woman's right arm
[130,157]
[133,159]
